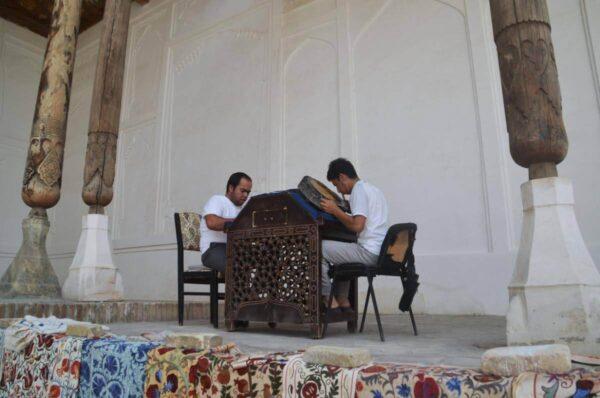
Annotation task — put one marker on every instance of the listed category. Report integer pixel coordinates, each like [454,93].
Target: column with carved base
[93,274]
[30,273]
[554,294]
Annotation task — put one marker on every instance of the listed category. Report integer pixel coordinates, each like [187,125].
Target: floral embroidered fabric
[63,381]
[55,365]
[113,368]
[190,230]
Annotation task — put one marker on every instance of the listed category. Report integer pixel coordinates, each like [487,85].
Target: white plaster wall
[407,89]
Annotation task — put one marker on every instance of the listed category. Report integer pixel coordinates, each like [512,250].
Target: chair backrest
[187,229]
[396,255]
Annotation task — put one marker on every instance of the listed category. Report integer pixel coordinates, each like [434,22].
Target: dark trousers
[215,257]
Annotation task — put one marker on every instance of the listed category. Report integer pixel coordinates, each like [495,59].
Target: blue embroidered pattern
[113,368]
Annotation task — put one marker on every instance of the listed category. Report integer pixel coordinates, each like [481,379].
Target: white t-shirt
[221,206]
[367,200]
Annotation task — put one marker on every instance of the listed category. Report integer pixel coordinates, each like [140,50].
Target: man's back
[368,200]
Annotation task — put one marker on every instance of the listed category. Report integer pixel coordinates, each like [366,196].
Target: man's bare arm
[216,223]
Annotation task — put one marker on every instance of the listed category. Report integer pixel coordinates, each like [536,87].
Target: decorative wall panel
[217,111]
[416,122]
[146,58]
[311,109]
[197,15]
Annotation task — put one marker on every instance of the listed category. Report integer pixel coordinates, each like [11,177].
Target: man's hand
[353,223]
[329,206]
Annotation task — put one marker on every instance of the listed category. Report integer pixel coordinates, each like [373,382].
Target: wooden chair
[396,258]
[187,229]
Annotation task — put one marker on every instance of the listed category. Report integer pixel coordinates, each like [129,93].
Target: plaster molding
[593,52]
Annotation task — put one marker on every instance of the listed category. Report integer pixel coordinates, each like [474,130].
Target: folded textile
[63,380]
[25,372]
[21,333]
[2,331]
[266,373]
[579,383]
[113,368]
[198,373]
[302,379]
[398,380]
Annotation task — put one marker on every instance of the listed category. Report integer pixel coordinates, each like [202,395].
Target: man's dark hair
[340,166]
[235,178]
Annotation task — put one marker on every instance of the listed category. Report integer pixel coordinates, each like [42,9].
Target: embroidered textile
[266,373]
[578,383]
[1,349]
[190,230]
[113,368]
[309,380]
[65,368]
[25,373]
[396,380]
[176,372]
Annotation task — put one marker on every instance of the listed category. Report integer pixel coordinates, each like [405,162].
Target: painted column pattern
[532,101]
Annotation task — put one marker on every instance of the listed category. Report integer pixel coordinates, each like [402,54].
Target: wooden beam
[17,16]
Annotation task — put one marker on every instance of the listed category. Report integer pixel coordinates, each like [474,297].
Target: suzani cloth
[25,373]
[176,372]
[578,383]
[113,368]
[1,350]
[308,380]
[63,381]
[395,380]
[266,373]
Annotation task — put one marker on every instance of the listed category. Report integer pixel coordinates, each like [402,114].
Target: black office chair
[187,229]
[396,258]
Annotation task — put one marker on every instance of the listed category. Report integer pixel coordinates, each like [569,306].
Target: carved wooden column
[93,275]
[555,288]
[530,86]
[31,273]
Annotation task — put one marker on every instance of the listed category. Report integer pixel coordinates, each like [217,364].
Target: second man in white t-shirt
[219,210]
[368,218]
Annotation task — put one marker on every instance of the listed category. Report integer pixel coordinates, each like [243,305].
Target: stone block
[85,329]
[512,361]
[193,340]
[338,356]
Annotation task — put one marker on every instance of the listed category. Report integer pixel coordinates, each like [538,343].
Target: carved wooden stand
[274,266]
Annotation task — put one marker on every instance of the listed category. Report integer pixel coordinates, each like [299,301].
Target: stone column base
[555,287]
[93,275]
[31,274]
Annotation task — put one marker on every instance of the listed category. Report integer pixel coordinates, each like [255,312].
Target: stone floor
[448,340]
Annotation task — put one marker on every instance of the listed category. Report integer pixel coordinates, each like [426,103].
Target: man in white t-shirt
[218,211]
[368,218]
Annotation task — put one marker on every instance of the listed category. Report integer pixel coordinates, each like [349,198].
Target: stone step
[104,312]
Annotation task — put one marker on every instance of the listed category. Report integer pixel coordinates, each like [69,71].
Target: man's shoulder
[216,201]
[220,198]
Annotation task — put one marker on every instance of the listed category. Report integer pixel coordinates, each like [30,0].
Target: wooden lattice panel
[274,266]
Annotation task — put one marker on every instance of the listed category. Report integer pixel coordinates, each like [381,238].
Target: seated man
[221,209]
[368,219]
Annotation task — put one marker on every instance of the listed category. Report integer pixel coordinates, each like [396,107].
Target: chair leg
[329,301]
[180,303]
[364,314]
[376,310]
[214,300]
[412,319]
